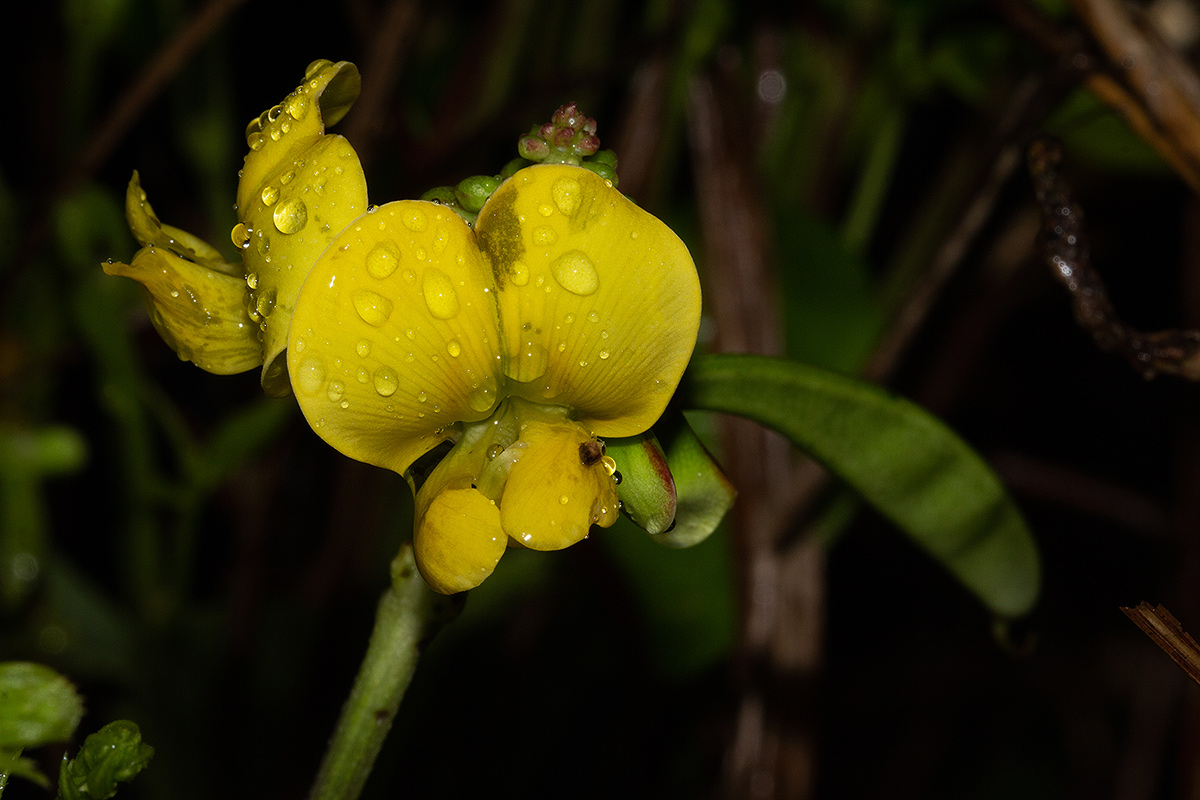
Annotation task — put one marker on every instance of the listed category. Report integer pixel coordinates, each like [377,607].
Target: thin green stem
[408,616]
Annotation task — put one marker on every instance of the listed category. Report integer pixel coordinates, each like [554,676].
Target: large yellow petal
[458,541]
[394,337]
[558,488]
[286,224]
[197,311]
[599,301]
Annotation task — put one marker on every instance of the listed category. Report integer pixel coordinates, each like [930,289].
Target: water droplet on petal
[385,382]
[316,66]
[336,390]
[564,500]
[545,209]
[363,348]
[422,397]
[291,216]
[482,399]
[576,273]
[374,308]
[593,316]
[311,376]
[566,195]
[440,296]
[296,105]
[265,303]
[453,348]
[240,235]
[544,234]
[383,260]
[494,450]
[256,140]
[603,354]
[415,220]
[363,375]
[269,195]
[520,273]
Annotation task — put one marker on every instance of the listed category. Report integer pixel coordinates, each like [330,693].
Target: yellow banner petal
[198,312]
[394,337]
[599,300]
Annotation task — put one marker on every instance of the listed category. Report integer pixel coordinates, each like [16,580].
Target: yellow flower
[298,188]
[566,315]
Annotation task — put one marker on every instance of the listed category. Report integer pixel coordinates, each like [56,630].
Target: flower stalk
[407,618]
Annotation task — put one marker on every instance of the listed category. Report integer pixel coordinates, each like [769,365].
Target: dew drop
[265,303]
[363,375]
[422,397]
[415,220]
[453,348]
[440,296]
[566,195]
[385,382]
[291,216]
[482,399]
[363,348]
[316,66]
[336,390]
[575,272]
[520,273]
[603,354]
[311,376]
[252,280]
[296,105]
[374,308]
[545,209]
[256,140]
[544,235]
[593,317]
[564,500]
[240,235]
[269,195]
[383,260]
[494,450]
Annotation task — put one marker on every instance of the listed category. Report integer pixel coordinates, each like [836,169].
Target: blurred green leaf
[831,317]
[114,754]
[37,706]
[686,597]
[1097,136]
[903,461]
[241,435]
[14,764]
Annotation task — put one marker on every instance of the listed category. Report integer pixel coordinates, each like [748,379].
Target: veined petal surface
[599,301]
[286,224]
[395,337]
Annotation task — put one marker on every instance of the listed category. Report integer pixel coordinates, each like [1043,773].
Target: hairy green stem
[408,616]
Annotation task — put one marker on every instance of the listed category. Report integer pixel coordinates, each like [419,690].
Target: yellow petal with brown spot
[198,312]
[555,492]
[599,301]
[458,542]
[395,338]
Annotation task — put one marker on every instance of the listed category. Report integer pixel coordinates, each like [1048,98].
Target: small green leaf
[901,459]
[37,706]
[114,754]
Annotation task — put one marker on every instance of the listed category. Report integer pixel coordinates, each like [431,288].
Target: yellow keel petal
[458,541]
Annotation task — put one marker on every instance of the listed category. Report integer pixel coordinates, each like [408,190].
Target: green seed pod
[473,192]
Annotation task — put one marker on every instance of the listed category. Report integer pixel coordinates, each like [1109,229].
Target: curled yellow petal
[299,188]
[150,232]
[197,311]
[394,338]
[458,541]
[599,301]
[558,488]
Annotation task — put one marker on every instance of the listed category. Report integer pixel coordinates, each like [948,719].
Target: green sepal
[37,706]
[474,191]
[703,494]
[647,489]
[114,754]
[13,764]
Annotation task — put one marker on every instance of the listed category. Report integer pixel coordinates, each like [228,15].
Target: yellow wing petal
[197,311]
[286,224]
[394,337]
[458,542]
[599,301]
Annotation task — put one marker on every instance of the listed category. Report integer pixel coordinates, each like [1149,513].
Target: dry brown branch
[1158,623]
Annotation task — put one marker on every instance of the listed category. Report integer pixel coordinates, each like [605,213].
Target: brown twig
[1064,246]
[1158,623]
